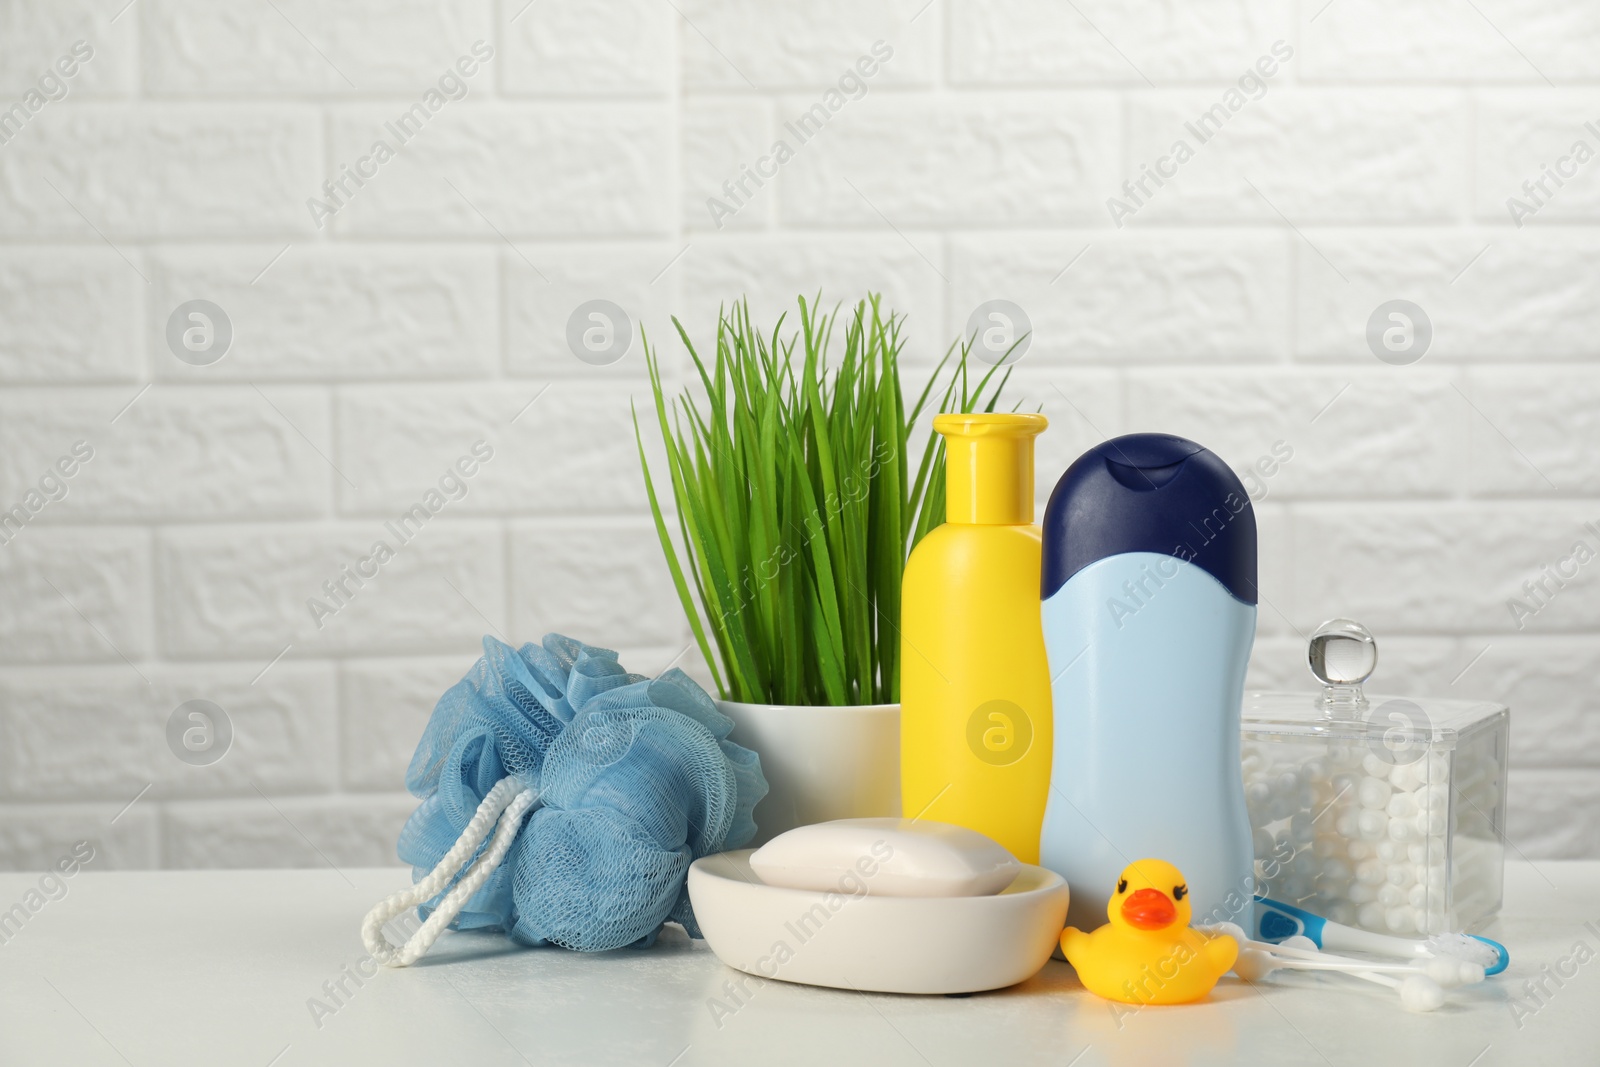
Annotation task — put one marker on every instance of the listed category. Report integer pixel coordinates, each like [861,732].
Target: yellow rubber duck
[1147,954]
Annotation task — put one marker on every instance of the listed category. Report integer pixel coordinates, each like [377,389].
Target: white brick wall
[370,352]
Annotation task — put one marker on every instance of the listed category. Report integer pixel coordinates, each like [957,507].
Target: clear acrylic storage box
[1386,813]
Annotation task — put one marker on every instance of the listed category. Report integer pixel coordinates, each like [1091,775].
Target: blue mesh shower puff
[635,779]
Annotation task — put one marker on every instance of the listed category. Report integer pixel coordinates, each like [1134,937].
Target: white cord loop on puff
[507,802]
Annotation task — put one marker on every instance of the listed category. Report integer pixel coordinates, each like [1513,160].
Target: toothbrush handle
[1276,920]
[1348,938]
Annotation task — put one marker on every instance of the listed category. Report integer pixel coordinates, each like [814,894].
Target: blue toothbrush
[1276,921]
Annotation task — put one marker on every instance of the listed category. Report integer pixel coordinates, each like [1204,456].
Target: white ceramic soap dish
[880,943]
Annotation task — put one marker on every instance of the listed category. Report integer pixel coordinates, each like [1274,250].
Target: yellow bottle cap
[989,467]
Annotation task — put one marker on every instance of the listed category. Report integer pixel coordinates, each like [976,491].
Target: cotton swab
[1446,970]
[1418,992]
[1420,983]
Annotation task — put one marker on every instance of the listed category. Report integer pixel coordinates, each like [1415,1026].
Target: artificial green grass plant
[796,505]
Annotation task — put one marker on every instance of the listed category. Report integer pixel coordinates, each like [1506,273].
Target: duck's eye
[1179,892]
[1122,886]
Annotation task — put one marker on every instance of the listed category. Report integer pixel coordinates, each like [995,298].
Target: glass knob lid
[1342,654]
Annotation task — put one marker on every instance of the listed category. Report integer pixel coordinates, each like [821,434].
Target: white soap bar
[886,857]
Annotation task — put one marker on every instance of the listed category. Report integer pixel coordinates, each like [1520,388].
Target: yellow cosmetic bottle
[975,717]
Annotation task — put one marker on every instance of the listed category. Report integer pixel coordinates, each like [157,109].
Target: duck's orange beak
[1149,909]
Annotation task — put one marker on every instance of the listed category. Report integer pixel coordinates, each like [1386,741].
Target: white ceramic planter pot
[822,763]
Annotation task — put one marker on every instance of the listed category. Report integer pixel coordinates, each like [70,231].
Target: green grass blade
[799,495]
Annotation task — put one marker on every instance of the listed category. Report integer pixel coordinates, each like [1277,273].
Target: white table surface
[217,967]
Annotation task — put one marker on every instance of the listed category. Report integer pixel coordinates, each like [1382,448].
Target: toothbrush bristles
[1462,947]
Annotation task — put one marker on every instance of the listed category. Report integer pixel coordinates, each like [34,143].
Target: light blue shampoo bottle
[1149,602]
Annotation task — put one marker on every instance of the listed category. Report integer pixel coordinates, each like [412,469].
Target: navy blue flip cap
[1151,492]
